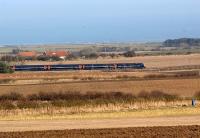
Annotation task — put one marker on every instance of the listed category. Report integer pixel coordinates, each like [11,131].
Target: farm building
[27,54]
[60,54]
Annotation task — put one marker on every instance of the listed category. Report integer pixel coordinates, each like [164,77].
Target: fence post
[193,102]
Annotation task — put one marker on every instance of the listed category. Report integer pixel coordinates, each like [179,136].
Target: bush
[4,68]
[130,53]
[7,105]
[56,58]
[155,76]
[9,58]
[143,94]
[92,56]
[43,58]
[87,51]
[75,99]
[54,96]
[78,96]
[157,95]
[71,57]
[12,97]
[162,95]
[6,81]
[27,104]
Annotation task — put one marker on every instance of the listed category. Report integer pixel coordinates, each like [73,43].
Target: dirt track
[10,126]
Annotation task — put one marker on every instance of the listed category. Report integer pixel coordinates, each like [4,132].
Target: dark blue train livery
[63,67]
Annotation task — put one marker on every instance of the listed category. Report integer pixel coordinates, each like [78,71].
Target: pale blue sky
[76,21]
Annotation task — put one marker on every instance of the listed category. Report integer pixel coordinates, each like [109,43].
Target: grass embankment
[74,105]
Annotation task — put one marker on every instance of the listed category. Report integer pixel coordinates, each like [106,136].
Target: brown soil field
[149,61]
[181,87]
[138,132]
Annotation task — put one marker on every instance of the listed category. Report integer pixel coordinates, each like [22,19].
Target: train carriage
[28,68]
[63,67]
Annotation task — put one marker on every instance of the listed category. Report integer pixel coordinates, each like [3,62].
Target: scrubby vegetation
[82,105]
[76,99]
[4,68]
[130,53]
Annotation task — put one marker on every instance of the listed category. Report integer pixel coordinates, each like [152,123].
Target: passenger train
[65,67]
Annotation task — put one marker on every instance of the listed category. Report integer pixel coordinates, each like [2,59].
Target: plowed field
[154,132]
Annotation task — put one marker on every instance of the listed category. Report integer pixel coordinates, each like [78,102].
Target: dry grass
[74,75]
[149,61]
[58,104]
[75,99]
[35,115]
[181,87]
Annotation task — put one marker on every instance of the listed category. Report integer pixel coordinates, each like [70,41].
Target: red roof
[57,53]
[27,54]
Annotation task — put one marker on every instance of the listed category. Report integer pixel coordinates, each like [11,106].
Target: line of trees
[181,42]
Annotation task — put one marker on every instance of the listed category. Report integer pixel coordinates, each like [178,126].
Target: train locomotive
[65,67]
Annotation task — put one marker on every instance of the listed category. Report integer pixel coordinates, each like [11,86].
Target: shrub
[27,104]
[162,95]
[143,94]
[78,96]
[56,58]
[6,81]
[92,56]
[126,77]
[75,99]
[7,105]
[9,58]
[54,96]
[43,58]
[71,57]
[4,68]
[69,103]
[130,53]
[156,95]
[11,96]
[154,76]
[87,51]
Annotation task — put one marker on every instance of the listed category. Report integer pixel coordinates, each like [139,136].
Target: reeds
[77,99]
[71,103]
